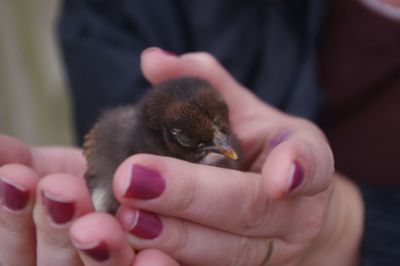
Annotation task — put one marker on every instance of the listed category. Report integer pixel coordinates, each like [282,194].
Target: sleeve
[381,245]
[101,42]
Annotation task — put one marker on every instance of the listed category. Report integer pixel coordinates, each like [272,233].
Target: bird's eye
[183,139]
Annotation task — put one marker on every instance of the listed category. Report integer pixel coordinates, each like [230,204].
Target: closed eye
[183,139]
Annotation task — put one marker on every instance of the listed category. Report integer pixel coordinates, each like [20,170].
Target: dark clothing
[360,72]
[269,46]
[382,232]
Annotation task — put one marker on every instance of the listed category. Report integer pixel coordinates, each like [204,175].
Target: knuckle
[315,220]
[14,224]
[59,241]
[190,196]
[311,221]
[49,234]
[180,242]
[247,252]
[300,123]
[207,60]
[256,208]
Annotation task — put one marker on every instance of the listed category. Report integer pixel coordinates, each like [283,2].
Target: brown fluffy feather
[188,104]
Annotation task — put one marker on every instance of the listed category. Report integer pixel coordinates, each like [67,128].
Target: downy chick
[183,118]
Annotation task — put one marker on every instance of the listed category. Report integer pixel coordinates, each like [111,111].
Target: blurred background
[34,101]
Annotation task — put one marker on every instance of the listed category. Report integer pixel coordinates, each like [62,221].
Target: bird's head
[193,119]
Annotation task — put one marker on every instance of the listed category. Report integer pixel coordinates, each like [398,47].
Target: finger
[188,242]
[193,244]
[301,164]
[60,198]
[153,257]
[13,151]
[51,160]
[158,66]
[43,160]
[221,198]
[17,230]
[101,240]
[248,115]
[317,163]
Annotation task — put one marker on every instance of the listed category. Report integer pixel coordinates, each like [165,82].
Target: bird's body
[183,118]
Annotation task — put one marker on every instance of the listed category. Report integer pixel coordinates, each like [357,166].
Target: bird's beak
[222,146]
[229,153]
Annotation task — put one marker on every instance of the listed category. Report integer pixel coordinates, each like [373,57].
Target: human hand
[204,215]
[40,216]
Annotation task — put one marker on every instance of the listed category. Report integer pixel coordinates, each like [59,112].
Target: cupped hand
[272,212]
[46,214]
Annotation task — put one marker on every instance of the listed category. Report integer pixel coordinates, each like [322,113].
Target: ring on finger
[269,252]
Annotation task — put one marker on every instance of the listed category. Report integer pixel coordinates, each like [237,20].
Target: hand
[204,215]
[40,216]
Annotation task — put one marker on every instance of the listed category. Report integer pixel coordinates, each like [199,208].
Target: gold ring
[269,252]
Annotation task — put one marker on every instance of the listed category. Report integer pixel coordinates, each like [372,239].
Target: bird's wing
[89,145]
[105,147]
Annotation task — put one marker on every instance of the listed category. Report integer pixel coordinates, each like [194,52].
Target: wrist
[339,242]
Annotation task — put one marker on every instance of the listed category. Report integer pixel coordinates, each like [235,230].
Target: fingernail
[98,253]
[144,183]
[164,51]
[278,139]
[296,175]
[12,197]
[59,211]
[140,223]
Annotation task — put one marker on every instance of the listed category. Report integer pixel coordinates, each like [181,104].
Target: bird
[184,118]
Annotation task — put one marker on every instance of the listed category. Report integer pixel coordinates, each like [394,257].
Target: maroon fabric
[360,73]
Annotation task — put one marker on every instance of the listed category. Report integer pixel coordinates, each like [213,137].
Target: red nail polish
[156,49]
[146,225]
[60,212]
[297,177]
[278,139]
[145,183]
[12,197]
[99,253]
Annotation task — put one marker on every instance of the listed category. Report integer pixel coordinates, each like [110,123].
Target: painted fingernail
[140,223]
[144,183]
[13,197]
[164,51]
[278,139]
[60,212]
[98,253]
[296,175]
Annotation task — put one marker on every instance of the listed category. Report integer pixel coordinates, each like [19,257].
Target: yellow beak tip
[230,154]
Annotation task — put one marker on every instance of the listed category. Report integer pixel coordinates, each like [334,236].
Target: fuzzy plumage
[183,118]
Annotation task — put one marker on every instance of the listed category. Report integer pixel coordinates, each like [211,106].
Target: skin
[387,8]
[59,171]
[222,216]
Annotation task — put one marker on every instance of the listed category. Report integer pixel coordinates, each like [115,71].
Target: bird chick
[183,118]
